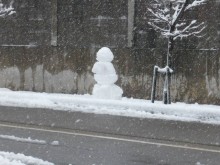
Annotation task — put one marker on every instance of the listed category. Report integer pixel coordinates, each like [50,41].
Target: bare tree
[6,10]
[169,21]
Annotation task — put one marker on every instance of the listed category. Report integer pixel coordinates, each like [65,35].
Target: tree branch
[4,11]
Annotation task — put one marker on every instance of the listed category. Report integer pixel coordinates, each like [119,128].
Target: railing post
[165,90]
[153,92]
[168,85]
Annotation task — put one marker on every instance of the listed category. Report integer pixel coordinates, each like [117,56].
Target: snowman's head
[104,55]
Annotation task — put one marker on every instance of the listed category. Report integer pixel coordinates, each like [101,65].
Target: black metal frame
[166,89]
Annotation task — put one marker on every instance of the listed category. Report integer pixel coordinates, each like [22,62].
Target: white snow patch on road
[25,140]
[125,107]
[10,158]
[55,143]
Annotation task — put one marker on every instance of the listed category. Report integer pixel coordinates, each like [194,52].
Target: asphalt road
[89,148]
[189,132]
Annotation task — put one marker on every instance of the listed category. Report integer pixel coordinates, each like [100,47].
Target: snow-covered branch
[167,18]
[6,10]
[191,29]
[156,27]
[160,15]
[195,3]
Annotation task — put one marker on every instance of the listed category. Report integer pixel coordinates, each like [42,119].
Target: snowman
[105,76]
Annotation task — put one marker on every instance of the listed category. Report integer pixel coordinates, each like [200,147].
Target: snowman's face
[104,55]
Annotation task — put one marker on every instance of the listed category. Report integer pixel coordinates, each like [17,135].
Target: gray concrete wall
[50,45]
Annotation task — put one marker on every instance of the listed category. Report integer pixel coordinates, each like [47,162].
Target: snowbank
[125,107]
[10,158]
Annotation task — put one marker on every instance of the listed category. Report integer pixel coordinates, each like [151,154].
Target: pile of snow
[10,158]
[124,107]
[25,140]
[105,76]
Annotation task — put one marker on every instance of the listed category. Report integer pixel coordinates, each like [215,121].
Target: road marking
[111,138]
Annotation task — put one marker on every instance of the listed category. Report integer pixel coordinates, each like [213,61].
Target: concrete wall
[50,45]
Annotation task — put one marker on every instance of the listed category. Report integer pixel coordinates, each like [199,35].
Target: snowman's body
[105,76]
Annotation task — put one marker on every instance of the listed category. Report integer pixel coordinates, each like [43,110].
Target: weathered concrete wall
[28,61]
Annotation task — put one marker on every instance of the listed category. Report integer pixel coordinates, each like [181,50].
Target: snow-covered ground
[89,104]
[124,107]
[10,158]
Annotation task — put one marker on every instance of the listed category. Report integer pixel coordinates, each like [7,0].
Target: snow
[11,45]
[109,79]
[6,10]
[10,158]
[104,55]
[55,143]
[105,76]
[163,70]
[111,91]
[103,68]
[168,20]
[18,139]
[125,107]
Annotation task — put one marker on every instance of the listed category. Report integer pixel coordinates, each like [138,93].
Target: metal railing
[167,79]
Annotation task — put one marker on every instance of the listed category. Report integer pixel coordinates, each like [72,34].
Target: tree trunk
[167,81]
